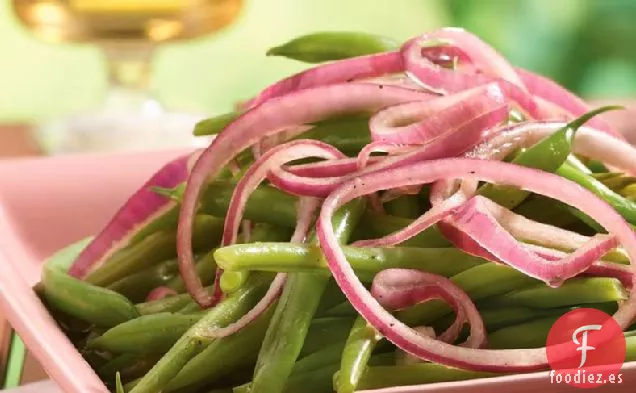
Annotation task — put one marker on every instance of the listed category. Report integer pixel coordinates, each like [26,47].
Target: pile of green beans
[311,339]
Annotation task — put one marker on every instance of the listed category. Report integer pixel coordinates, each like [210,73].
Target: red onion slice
[271,117]
[554,101]
[159,293]
[257,172]
[588,142]
[422,121]
[397,289]
[331,168]
[364,157]
[491,171]
[142,207]
[306,209]
[490,64]
[272,159]
[599,269]
[476,221]
[458,134]
[342,71]
[434,215]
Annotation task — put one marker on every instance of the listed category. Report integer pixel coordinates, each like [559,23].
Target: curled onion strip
[257,172]
[588,142]
[306,209]
[435,214]
[142,207]
[160,293]
[556,103]
[331,168]
[476,221]
[444,80]
[364,157]
[598,269]
[491,171]
[271,117]
[397,289]
[457,135]
[347,70]
[422,121]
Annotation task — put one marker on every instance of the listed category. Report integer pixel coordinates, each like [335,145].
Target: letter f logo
[583,344]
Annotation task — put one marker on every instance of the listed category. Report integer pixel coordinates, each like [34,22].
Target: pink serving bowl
[47,203]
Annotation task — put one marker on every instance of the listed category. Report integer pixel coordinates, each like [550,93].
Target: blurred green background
[588,45]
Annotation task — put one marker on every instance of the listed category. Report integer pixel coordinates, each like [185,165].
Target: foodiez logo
[586,348]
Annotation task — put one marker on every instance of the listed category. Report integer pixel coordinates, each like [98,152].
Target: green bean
[74,298]
[547,155]
[230,352]
[328,354]
[321,372]
[349,134]
[331,297]
[616,182]
[355,356]
[546,210]
[367,262]
[629,192]
[315,381]
[406,206]
[296,308]
[344,309]
[499,317]
[214,125]
[205,268]
[129,386]
[129,365]
[190,344]
[266,204]
[479,282]
[576,162]
[556,213]
[137,285]
[119,388]
[223,355]
[378,377]
[64,258]
[190,308]
[596,166]
[415,374]
[79,299]
[530,334]
[167,304]
[275,207]
[154,333]
[625,207]
[333,45]
[153,249]
[325,330]
[311,371]
[630,343]
[269,233]
[374,225]
[575,291]
[231,281]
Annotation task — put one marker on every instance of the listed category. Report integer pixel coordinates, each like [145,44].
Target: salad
[399,214]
